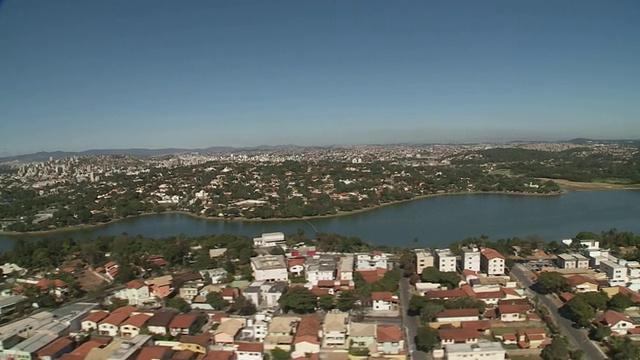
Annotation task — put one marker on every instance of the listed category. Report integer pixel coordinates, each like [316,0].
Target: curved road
[578,338]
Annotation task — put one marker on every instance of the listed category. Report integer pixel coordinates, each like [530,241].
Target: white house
[479,351]
[249,350]
[131,326]
[269,268]
[372,261]
[111,324]
[345,268]
[137,293]
[457,315]
[383,301]
[390,340]
[90,322]
[616,273]
[269,240]
[217,275]
[335,329]
[320,268]
[617,322]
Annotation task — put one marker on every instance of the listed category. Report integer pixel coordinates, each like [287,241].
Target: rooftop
[268,262]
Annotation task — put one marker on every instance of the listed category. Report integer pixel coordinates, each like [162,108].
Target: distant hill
[581,141]
[139,152]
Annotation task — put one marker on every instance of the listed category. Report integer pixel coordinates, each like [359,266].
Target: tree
[117,303]
[177,303]
[216,301]
[557,350]
[552,282]
[326,302]
[579,311]
[599,332]
[299,300]
[243,306]
[620,302]
[597,300]
[623,348]
[426,338]
[279,354]
[346,300]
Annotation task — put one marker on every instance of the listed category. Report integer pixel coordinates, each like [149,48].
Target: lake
[435,221]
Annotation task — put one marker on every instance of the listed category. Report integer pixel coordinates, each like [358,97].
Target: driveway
[578,338]
[410,323]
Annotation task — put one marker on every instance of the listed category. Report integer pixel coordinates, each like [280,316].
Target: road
[578,338]
[411,323]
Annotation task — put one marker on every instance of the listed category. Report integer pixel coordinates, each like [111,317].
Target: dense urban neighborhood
[291,182]
[280,296]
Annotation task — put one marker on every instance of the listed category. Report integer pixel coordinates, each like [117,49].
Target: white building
[371,261]
[491,262]
[445,260]
[572,261]
[424,259]
[480,351]
[269,240]
[269,268]
[345,268]
[249,350]
[616,273]
[217,276]
[320,267]
[137,293]
[471,258]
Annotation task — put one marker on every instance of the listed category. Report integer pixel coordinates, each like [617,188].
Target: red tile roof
[317,291]
[44,284]
[135,284]
[513,309]
[611,317]
[382,296]
[509,337]
[182,321]
[295,261]
[388,333]
[116,318]
[326,283]
[444,294]
[228,292]
[371,276]
[510,291]
[457,313]
[477,325]
[468,290]
[635,297]
[490,295]
[54,347]
[307,331]
[578,279]
[491,254]
[96,316]
[565,296]
[220,355]
[249,346]
[457,335]
[153,352]
[137,320]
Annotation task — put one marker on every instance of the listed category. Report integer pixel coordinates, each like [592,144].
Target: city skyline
[96,75]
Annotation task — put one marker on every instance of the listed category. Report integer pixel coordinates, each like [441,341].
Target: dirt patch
[88,280]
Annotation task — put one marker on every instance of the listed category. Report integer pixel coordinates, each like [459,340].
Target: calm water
[434,221]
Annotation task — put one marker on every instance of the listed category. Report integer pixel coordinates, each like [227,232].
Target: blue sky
[87,74]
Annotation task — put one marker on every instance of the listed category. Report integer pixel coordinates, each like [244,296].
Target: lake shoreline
[304,218]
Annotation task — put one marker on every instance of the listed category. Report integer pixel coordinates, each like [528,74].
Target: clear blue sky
[150,73]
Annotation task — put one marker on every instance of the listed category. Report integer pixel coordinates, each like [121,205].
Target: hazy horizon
[161,74]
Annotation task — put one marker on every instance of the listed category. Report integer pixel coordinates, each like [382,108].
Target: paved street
[578,338]
[410,323]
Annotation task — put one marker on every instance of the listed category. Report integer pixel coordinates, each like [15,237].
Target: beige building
[424,259]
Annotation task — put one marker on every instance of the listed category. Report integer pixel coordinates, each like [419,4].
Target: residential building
[183,324]
[362,335]
[616,273]
[479,351]
[129,348]
[457,336]
[491,262]
[618,323]
[190,289]
[582,284]
[228,330]
[572,261]
[335,329]
[255,330]
[249,350]
[159,322]
[471,258]
[160,286]
[384,301]
[390,340]
[269,240]
[269,268]
[253,292]
[280,333]
[273,294]
[424,259]
[55,349]
[91,321]
[320,268]
[345,268]
[136,292]
[131,326]
[216,253]
[296,266]
[307,337]
[111,324]
[445,260]
[217,275]
[457,315]
[371,261]
[509,312]
[198,344]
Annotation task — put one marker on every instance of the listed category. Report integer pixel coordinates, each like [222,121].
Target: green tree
[557,350]
[623,348]
[326,302]
[552,282]
[177,303]
[620,302]
[426,338]
[216,301]
[299,300]
[579,311]
[117,303]
[599,332]
[279,354]
[346,300]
